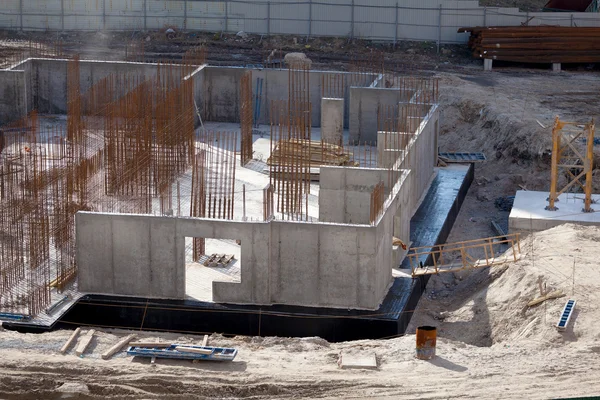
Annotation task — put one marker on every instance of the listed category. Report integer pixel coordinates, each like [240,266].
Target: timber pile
[309,153]
[535,44]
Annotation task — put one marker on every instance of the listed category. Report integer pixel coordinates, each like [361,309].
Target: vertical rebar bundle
[219,173]
[127,141]
[246,117]
[333,85]
[290,174]
[198,200]
[377,200]
[299,99]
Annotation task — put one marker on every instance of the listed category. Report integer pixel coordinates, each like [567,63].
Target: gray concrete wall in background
[222,89]
[49,79]
[421,20]
[13,96]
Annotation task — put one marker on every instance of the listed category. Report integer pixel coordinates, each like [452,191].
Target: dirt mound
[488,306]
[499,134]
[297,60]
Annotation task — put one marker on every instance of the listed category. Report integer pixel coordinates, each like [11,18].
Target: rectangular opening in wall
[209,260]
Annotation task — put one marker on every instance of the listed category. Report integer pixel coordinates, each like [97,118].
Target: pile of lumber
[535,44]
[218,260]
[308,153]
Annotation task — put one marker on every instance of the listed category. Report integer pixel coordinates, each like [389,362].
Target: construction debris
[150,344]
[184,352]
[218,260]
[357,361]
[462,157]
[535,44]
[71,340]
[117,347]
[314,153]
[552,295]
[85,342]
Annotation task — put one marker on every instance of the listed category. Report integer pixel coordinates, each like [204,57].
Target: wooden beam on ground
[552,295]
[196,350]
[117,347]
[205,341]
[71,340]
[151,344]
[85,342]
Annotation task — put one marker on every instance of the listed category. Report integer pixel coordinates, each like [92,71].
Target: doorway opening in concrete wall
[210,260]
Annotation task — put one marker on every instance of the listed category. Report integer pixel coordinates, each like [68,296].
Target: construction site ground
[489,344]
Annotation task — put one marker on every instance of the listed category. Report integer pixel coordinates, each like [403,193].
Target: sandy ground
[490,346]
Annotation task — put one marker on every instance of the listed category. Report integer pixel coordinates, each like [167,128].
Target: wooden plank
[151,344]
[196,350]
[552,295]
[228,259]
[85,342]
[117,347]
[71,340]
[205,341]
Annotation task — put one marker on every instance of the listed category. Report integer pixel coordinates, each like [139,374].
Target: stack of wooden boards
[309,153]
[535,44]
[218,260]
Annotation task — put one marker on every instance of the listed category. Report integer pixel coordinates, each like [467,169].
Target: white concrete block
[358,361]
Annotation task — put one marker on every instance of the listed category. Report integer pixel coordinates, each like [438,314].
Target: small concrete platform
[529,211]
[358,361]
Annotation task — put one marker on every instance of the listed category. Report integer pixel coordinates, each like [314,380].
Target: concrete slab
[529,211]
[358,361]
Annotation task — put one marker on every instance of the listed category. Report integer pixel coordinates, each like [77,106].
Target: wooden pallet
[218,260]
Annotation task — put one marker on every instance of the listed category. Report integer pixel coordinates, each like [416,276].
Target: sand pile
[488,306]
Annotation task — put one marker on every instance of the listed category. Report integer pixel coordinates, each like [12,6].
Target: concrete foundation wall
[222,89]
[127,254]
[364,103]
[13,96]
[422,158]
[48,78]
[345,193]
[283,262]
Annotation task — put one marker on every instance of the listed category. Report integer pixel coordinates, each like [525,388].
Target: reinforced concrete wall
[345,193]
[283,262]
[364,103]
[222,89]
[48,78]
[13,95]
[127,254]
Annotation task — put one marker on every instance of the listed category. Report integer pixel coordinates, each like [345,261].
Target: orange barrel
[426,337]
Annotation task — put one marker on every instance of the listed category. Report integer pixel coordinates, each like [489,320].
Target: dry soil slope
[489,306]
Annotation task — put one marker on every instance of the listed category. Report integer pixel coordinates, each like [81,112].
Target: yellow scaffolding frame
[566,156]
[446,251]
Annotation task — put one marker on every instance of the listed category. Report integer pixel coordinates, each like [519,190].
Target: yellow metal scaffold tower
[566,157]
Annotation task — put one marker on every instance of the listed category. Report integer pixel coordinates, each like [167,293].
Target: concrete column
[332,120]
[487,64]
[556,67]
